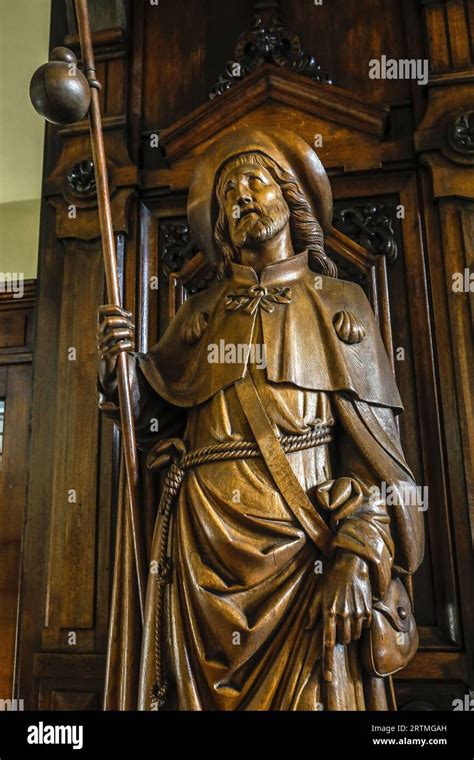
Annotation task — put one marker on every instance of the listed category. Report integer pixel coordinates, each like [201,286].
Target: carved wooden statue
[287,530]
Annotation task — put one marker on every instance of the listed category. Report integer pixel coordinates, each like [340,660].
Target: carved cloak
[305,349]
[295,333]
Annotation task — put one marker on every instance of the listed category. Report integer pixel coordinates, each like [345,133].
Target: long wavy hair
[305,230]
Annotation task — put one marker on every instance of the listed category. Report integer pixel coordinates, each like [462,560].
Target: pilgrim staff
[62,94]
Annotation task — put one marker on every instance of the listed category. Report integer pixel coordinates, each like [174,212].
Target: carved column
[444,141]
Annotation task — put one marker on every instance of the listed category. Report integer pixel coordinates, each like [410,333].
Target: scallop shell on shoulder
[349,329]
[194,327]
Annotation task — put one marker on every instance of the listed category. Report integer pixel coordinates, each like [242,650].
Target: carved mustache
[249,210]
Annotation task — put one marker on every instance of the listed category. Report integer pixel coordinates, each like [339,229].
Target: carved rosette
[81,178]
[461,133]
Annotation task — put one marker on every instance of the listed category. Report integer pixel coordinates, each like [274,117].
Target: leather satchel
[392,639]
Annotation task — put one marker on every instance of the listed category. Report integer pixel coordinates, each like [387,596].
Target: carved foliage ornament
[177,249]
[176,246]
[371,225]
[268,40]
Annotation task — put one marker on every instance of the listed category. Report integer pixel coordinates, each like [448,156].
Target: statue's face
[254,205]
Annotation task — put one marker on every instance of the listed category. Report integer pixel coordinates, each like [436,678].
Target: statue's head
[257,198]
[248,185]
[251,203]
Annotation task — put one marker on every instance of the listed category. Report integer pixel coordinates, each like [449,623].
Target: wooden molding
[8,301]
[268,83]
[431,666]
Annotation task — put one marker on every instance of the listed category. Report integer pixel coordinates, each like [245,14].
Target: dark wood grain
[16,344]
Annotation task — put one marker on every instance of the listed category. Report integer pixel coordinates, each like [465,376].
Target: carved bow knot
[257,295]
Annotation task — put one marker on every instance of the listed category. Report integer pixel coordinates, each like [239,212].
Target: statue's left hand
[343,603]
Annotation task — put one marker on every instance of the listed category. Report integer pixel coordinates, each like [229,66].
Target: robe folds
[235,633]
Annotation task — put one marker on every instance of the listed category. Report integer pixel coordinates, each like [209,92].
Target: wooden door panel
[15,391]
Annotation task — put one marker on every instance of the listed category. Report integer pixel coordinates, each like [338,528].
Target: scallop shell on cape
[349,329]
[194,327]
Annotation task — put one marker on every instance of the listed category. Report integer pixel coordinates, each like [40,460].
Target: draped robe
[245,575]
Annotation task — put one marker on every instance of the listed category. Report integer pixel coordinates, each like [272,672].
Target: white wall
[24,39]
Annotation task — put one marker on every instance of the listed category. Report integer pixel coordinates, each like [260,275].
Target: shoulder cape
[302,345]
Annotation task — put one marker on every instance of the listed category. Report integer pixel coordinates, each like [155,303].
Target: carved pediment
[319,101]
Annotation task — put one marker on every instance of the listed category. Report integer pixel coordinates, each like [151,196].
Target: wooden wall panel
[353,36]
[12,330]
[16,329]
[69,682]
[15,388]
[72,535]
[179,78]
[449,34]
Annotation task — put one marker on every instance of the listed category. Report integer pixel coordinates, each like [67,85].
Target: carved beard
[257,229]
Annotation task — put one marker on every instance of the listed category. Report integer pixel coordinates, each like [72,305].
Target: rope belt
[172,483]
